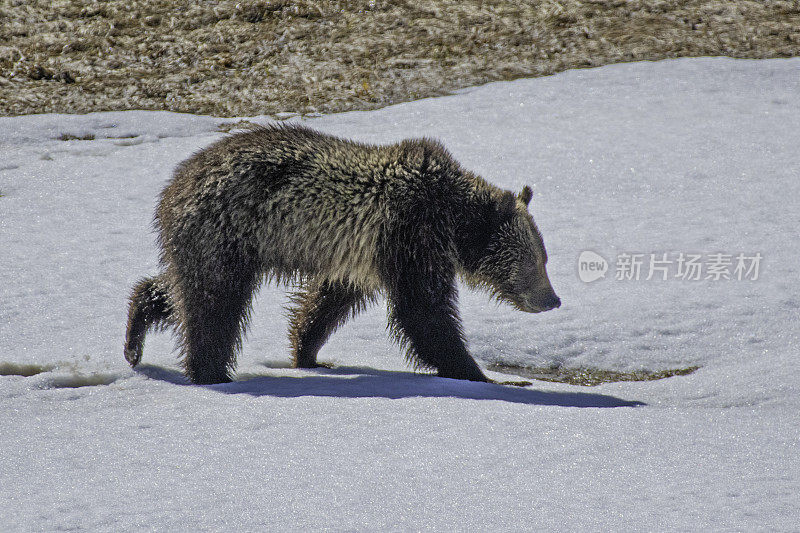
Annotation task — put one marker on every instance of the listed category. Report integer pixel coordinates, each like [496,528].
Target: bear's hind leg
[320,310]
[214,312]
[150,307]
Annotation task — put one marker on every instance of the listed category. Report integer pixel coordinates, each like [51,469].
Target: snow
[690,155]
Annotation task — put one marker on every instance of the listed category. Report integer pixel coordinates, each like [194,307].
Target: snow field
[691,155]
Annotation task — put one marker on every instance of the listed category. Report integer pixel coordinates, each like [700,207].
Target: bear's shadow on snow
[363,382]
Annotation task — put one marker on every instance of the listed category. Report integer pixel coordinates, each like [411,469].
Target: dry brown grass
[246,57]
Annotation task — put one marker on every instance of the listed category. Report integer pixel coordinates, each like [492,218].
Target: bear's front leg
[424,319]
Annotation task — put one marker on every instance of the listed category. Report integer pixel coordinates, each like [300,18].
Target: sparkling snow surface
[692,156]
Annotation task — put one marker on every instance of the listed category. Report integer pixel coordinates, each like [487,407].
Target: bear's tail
[150,307]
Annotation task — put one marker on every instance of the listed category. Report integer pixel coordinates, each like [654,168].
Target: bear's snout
[552,302]
[542,302]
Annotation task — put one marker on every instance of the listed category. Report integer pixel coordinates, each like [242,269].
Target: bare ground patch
[587,376]
[249,57]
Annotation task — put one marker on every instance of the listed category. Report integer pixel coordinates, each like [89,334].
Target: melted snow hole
[73,381]
[16,369]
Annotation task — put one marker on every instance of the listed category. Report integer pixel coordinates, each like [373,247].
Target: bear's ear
[526,195]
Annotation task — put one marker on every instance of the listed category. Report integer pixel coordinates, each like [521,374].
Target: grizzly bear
[344,222]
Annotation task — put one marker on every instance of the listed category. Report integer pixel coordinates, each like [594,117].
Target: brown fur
[345,221]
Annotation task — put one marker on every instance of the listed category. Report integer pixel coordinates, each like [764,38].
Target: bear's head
[512,258]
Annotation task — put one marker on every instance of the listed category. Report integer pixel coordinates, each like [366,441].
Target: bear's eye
[528,269]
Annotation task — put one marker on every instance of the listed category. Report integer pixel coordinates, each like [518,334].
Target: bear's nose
[553,302]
